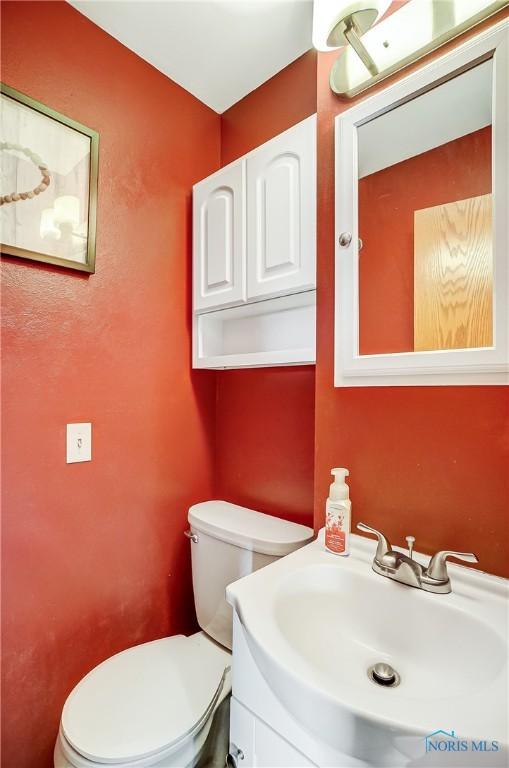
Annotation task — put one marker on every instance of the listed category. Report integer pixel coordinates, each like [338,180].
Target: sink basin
[316,624]
[433,646]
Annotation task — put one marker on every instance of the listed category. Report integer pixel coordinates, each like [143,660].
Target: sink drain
[383,674]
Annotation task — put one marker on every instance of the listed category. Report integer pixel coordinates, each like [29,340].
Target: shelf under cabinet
[277,331]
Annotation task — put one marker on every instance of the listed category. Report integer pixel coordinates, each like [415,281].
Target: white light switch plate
[79,443]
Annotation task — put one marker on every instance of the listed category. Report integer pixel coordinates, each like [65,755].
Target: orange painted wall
[427,461]
[94,559]
[387,202]
[265,416]
[265,422]
[285,99]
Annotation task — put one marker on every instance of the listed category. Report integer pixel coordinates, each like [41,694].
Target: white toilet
[154,704]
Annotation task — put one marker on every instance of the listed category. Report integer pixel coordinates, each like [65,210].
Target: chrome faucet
[403,568]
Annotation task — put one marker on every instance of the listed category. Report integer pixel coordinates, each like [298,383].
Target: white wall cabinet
[218,239]
[281,214]
[254,238]
[398,110]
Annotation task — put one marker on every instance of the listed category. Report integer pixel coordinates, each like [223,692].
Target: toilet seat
[145,702]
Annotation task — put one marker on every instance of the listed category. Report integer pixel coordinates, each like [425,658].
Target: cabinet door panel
[242,724]
[281,199]
[218,239]
[273,751]
[261,747]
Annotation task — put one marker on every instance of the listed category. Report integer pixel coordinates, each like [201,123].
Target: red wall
[427,461]
[265,416]
[94,556]
[285,99]
[388,200]
[265,421]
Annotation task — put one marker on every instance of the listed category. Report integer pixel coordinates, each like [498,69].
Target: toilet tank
[231,542]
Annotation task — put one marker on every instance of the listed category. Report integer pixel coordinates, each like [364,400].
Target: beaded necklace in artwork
[13,197]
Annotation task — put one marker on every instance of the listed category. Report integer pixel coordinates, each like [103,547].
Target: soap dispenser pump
[338,514]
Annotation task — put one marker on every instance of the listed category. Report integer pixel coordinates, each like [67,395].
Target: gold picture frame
[61,156]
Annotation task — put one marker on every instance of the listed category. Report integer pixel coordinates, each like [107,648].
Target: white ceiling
[219,50]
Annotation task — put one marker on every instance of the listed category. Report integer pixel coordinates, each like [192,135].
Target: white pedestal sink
[316,623]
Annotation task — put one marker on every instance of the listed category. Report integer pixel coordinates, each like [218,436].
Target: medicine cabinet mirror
[422,211]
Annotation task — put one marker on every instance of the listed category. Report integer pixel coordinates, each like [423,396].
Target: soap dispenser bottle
[338,514]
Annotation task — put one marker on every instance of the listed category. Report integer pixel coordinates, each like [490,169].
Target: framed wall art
[48,195]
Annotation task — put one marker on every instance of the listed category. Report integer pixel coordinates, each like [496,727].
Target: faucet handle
[437,568]
[383,542]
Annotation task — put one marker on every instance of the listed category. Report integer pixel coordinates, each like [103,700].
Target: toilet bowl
[154,704]
[151,705]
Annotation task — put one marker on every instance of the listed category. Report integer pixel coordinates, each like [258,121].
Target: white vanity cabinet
[218,239]
[254,743]
[262,732]
[254,256]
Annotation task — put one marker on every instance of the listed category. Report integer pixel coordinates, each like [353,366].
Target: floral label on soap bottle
[335,537]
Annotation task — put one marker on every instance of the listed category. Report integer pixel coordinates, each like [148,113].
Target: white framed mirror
[422,225]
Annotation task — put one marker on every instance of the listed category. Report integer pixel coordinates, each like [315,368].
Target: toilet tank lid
[247,528]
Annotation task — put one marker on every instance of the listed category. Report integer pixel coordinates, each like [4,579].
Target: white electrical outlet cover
[79,443]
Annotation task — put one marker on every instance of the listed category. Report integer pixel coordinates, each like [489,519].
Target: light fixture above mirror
[336,24]
[376,47]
